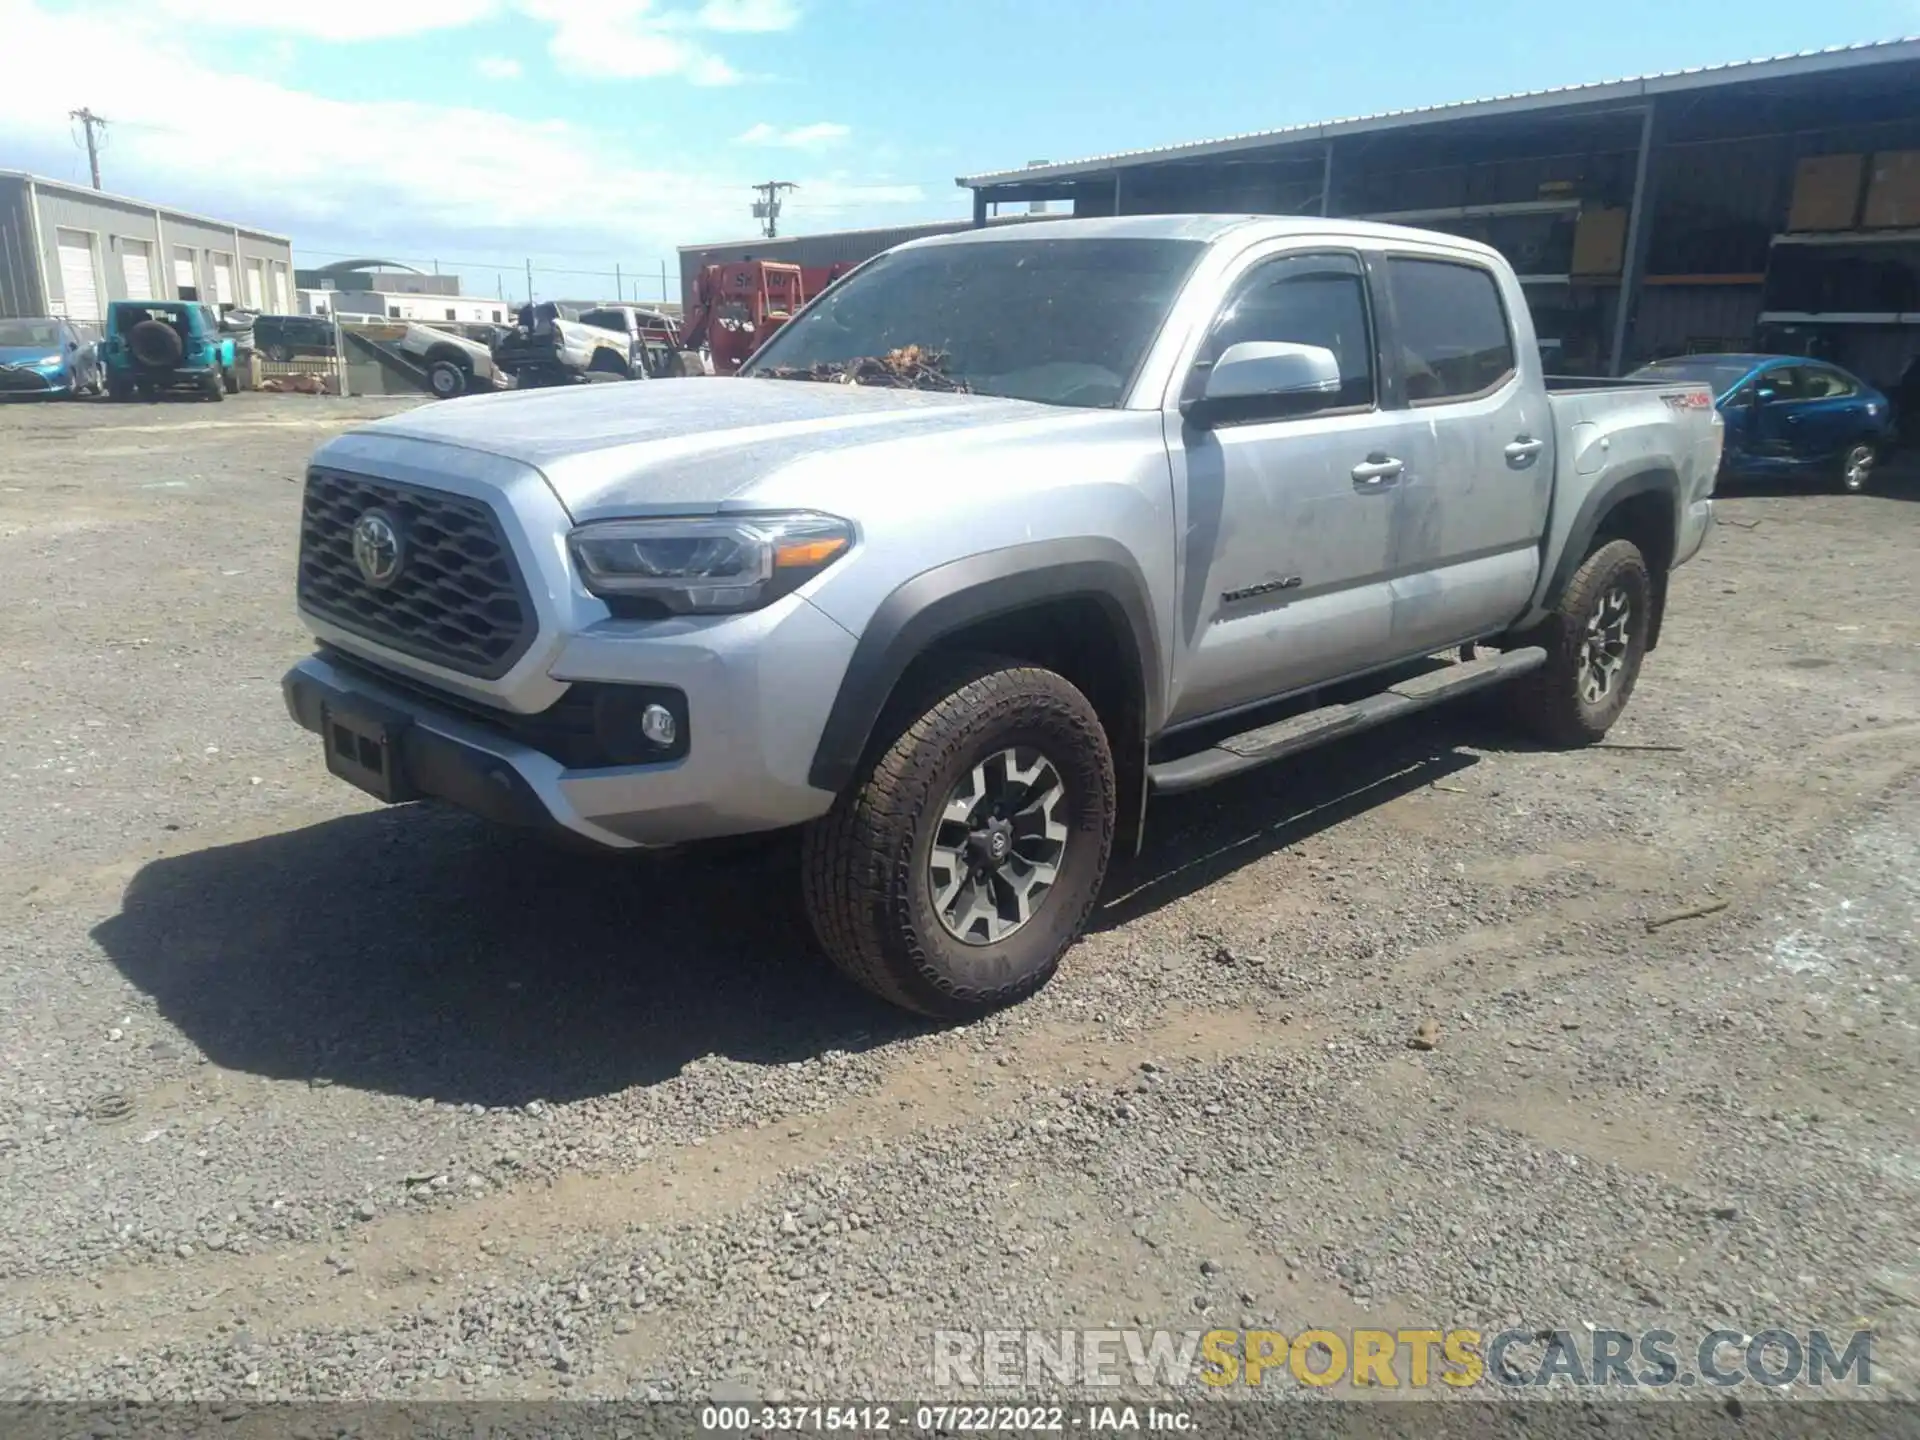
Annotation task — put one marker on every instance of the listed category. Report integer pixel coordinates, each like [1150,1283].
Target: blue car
[1788,416]
[45,355]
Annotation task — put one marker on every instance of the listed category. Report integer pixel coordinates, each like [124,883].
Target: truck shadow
[417,952]
[1196,839]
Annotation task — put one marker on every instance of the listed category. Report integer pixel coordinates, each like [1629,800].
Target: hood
[689,444]
[29,354]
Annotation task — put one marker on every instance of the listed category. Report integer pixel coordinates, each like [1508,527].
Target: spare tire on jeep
[156,344]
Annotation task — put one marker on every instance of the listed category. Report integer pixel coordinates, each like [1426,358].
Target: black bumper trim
[435,765]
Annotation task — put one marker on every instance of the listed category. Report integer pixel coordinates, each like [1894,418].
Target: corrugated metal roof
[1837,57]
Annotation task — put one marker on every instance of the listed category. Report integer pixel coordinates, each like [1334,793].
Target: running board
[1248,751]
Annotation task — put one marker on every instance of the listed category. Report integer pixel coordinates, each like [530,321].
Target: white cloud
[819,136]
[748,16]
[334,20]
[491,185]
[628,40]
[498,67]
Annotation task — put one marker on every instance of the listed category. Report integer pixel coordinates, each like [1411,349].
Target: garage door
[282,302]
[184,279]
[136,260]
[76,276]
[223,279]
[256,285]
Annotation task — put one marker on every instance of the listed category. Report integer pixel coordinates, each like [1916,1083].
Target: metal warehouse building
[1773,203]
[68,250]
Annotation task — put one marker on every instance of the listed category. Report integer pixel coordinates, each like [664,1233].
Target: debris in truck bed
[908,368]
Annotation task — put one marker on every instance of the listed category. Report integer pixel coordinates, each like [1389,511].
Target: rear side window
[1825,385]
[1453,335]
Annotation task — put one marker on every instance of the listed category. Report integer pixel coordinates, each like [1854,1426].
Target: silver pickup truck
[1006,533]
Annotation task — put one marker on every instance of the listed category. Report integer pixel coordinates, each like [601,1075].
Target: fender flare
[948,598]
[1655,479]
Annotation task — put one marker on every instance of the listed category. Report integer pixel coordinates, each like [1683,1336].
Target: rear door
[1473,499]
[1289,507]
[1827,417]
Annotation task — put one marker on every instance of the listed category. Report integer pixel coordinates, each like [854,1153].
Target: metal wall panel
[1673,319]
[21,290]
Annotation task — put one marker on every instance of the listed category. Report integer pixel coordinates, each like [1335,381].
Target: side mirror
[1256,370]
[1764,394]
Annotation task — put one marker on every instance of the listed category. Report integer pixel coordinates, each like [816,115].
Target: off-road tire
[120,391]
[605,362]
[212,386]
[1548,702]
[864,865]
[156,344]
[230,380]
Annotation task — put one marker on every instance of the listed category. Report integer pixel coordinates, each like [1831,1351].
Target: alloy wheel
[1603,655]
[1858,468]
[998,846]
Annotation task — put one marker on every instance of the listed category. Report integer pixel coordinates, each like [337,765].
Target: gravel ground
[304,1098]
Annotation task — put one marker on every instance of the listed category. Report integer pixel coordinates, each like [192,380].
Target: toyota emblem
[377,548]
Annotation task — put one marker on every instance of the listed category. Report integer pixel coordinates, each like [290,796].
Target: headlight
[716,564]
[48,363]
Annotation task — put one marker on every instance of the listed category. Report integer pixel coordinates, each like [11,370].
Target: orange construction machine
[737,305]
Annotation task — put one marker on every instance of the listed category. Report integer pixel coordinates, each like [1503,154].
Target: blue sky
[588,133]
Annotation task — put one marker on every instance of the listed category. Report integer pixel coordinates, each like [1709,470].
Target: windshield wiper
[908,368]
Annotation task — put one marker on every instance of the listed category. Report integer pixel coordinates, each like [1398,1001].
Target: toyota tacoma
[1005,534]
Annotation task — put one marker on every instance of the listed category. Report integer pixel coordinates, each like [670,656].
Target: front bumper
[19,380]
[753,705]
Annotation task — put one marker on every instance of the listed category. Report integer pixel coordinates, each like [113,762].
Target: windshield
[29,332]
[1064,322]
[1721,375]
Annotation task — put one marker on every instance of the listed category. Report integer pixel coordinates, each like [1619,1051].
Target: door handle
[1376,471]
[1523,449]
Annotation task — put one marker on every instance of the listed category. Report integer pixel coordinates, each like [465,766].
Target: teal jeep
[155,345]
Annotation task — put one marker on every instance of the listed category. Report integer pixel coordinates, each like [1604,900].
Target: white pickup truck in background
[1005,533]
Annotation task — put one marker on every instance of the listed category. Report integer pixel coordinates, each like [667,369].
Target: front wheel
[1856,468]
[447,380]
[964,861]
[1595,640]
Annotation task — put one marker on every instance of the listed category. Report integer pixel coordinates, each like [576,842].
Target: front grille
[21,378]
[458,599]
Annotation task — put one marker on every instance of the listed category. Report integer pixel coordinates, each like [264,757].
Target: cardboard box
[1599,242]
[1826,192]
[1893,191]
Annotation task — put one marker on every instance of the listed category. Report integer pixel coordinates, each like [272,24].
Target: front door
[1473,500]
[1289,507]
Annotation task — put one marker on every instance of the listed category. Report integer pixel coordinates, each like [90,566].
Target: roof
[87,192]
[347,267]
[1805,62]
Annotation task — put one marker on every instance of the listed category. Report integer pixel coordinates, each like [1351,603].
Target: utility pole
[87,118]
[529,281]
[767,208]
[619,291]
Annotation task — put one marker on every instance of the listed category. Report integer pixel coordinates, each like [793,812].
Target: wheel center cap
[997,845]
[992,843]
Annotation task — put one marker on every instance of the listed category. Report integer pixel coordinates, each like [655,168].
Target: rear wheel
[605,362]
[230,378]
[120,390]
[212,386]
[962,864]
[1856,468]
[1595,640]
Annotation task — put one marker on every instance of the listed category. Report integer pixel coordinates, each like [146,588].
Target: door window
[1454,340]
[1304,300]
[1782,384]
